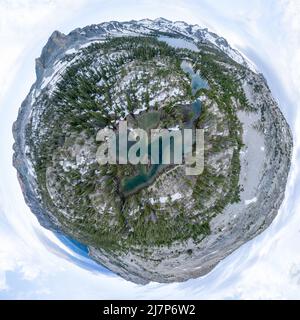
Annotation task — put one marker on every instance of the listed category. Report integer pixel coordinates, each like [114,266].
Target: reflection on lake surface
[146,176]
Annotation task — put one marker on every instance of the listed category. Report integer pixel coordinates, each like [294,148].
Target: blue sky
[34,263]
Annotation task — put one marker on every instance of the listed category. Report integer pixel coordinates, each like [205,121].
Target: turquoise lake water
[133,184]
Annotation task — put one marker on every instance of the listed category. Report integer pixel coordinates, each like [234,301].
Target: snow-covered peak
[177,28]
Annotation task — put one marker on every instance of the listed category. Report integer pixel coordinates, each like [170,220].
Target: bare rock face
[149,223]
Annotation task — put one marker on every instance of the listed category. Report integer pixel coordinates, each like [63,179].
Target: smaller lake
[197,81]
[179,43]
